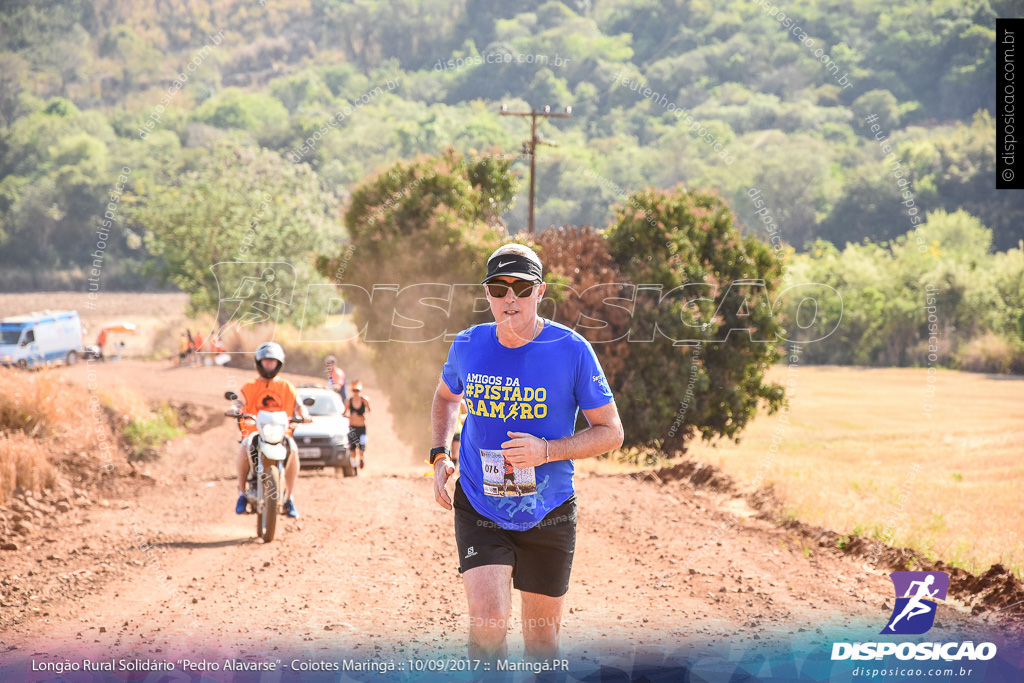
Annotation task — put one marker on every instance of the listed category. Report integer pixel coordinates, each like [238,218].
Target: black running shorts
[541,557]
[357,438]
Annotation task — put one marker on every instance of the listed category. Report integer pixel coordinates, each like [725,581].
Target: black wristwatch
[434,452]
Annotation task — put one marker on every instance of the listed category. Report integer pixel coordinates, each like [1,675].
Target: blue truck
[42,338]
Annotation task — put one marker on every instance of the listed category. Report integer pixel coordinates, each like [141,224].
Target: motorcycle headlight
[273,433]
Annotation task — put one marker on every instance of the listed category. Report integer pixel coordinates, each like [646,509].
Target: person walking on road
[524,379]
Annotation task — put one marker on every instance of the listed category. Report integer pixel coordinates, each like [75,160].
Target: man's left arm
[604,434]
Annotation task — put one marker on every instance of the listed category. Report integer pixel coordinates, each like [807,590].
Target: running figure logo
[252,293]
[917,595]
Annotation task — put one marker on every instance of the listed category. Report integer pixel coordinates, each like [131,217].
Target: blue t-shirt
[538,389]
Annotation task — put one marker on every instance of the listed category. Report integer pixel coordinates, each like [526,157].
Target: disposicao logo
[917,596]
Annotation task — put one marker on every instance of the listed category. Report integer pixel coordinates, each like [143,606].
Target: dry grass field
[862,454]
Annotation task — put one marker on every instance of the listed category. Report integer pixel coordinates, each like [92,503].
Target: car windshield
[326,404]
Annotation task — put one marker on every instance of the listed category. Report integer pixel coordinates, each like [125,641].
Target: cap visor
[521,276]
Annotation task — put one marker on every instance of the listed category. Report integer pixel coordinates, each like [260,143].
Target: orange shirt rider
[268,394]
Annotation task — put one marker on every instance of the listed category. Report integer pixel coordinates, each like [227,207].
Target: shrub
[144,437]
[991,353]
[667,393]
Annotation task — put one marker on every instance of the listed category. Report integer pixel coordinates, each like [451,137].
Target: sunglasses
[521,288]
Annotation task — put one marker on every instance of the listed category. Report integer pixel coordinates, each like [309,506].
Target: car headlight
[339,440]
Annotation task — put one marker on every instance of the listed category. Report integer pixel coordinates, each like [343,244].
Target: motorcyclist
[268,392]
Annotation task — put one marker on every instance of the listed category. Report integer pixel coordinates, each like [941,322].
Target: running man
[524,380]
[915,606]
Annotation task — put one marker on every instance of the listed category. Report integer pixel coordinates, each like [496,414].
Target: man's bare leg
[489,593]
[542,622]
[291,471]
[243,467]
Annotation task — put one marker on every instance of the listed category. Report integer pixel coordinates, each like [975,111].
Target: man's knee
[489,617]
[488,629]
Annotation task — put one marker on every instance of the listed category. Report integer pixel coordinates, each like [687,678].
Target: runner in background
[356,409]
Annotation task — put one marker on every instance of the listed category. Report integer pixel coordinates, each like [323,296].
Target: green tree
[56,169]
[869,208]
[427,226]
[261,115]
[878,308]
[703,319]
[224,218]
[793,182]
[15,77]
[138,59]
[962,175]
[880,104]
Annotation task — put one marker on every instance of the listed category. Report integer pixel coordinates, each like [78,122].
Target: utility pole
[530,146]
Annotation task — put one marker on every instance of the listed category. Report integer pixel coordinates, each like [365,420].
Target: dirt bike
[268,452]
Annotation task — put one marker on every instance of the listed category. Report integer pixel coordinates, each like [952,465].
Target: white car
[324,442]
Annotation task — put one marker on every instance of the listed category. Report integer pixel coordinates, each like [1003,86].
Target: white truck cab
[41,338]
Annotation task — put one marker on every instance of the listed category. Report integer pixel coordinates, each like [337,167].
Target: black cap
[514,265]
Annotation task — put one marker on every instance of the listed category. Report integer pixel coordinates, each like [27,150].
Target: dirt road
[168,571]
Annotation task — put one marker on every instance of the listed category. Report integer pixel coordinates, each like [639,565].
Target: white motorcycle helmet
[273,351]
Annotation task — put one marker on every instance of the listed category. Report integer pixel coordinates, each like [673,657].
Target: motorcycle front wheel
[266,521]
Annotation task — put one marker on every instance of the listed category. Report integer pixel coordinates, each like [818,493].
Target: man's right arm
[242,400]
[443,417]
